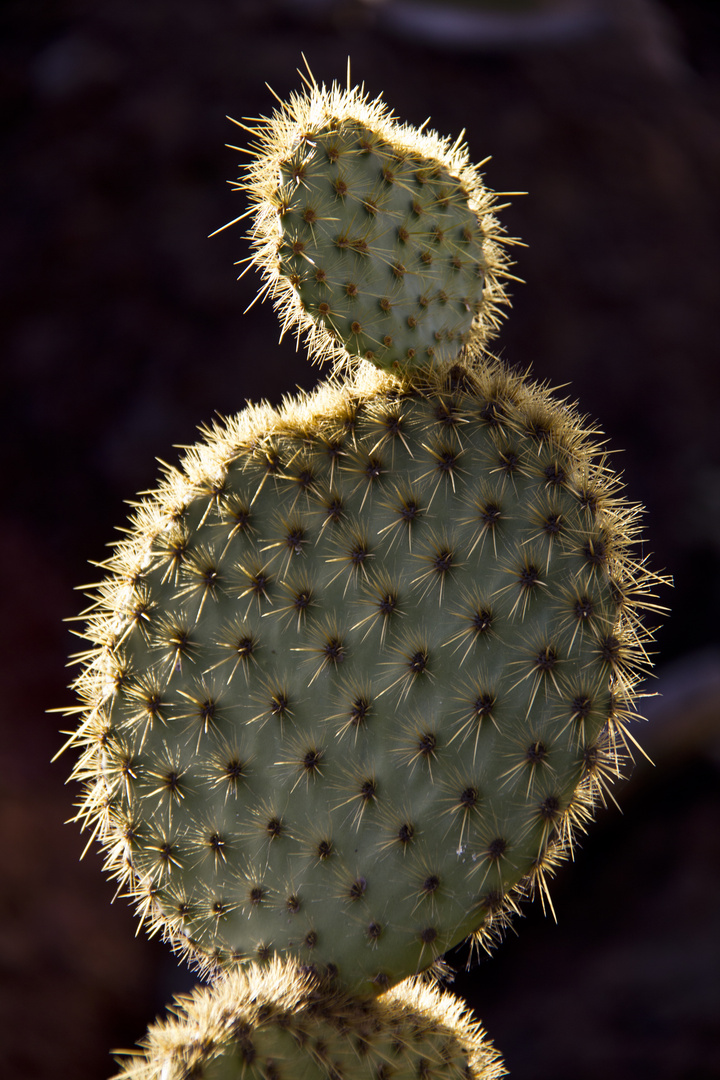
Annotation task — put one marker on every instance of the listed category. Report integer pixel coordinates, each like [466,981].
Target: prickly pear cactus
[280,1023]
[362,664]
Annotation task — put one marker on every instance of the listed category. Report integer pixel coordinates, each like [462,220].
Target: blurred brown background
[122,330]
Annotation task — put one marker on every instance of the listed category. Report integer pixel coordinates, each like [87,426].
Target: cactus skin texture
[375,238]
[279,1023]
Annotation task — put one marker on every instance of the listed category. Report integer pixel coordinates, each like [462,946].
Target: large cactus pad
[357,671]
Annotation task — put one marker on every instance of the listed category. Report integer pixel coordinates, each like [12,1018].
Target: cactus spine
[363,664]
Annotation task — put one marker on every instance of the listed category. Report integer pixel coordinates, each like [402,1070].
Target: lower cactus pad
[278,1023]
[359,669]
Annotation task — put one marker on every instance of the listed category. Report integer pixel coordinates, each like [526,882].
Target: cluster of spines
[204,496]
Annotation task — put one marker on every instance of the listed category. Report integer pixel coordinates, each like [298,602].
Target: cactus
[279,1022]
[363,665]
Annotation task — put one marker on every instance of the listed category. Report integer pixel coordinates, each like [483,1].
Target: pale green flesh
[294,1056]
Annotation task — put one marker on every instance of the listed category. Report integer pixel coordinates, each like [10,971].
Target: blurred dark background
[122,330]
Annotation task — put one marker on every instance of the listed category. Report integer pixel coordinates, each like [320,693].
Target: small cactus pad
[358,669]
[279,1023]
[376,238]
